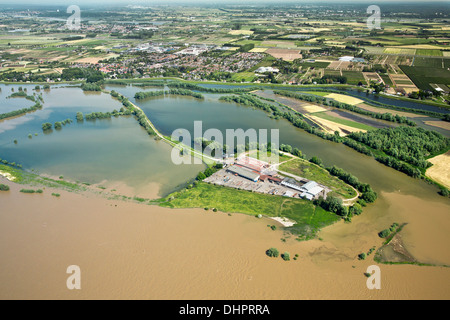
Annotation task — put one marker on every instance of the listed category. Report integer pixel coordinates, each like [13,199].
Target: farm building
[251,163]
[267,69]
[346,58]
[310,190]
[289,194]
[291,183]
[361,60]
[264,177]
[351,59]
[245,173]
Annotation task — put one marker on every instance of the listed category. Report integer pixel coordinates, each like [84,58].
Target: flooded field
[114,152]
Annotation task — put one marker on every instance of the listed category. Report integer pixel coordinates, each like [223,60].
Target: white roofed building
[267,69]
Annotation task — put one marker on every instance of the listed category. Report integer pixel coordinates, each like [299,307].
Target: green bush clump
[444,192]
[387,232]
[273,253]
[47,126]
[31,191]
[28,191]
[58,125]
[286,256]
[4,187]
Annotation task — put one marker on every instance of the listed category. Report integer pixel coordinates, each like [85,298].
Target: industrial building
[246,168]
[267,69]
[310,190]
[264,177]
[291,183]
[252,164]
[243,172]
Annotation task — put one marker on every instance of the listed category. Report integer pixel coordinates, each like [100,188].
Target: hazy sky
[152,2]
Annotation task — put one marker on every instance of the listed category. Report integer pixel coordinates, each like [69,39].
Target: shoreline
[133,251]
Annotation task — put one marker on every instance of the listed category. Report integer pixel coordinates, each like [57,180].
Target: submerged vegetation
[31,191]
[272,252]
[91,87]
[181,92]
[23,94]
[192,86]
[12,164]
[138,113]
[47,126]
[16,113]
[147,94]
[387,232]
[104,115]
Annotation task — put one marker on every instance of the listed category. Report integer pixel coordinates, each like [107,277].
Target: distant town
[283,46]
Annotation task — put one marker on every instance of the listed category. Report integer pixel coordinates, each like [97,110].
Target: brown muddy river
[137,251]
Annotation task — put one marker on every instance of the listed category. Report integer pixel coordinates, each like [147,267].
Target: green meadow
[310,218]
[311,171]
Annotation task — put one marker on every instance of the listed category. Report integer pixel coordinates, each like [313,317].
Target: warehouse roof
[244,172]
[315,191]
[309,185]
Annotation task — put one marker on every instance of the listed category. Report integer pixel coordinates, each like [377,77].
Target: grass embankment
[309,217]
[26,178]
[311,171]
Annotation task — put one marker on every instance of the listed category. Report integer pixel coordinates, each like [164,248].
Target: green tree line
[131,110]
[147,94]
[91,87]
[191,86]
[411,145]
[340,105]
[15,113]
[443,116]
[12,164]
